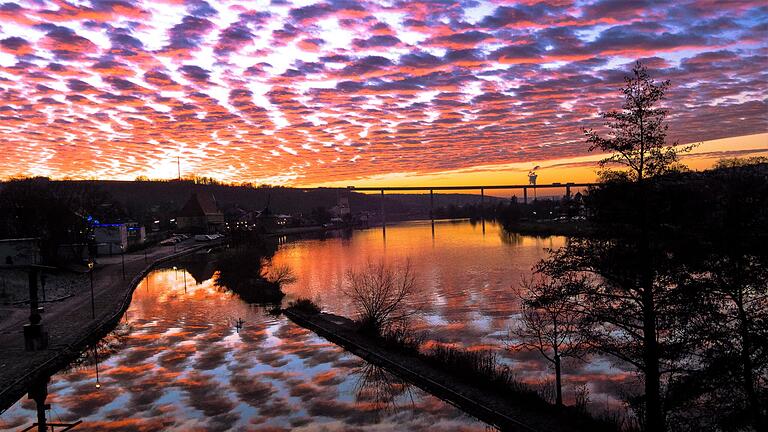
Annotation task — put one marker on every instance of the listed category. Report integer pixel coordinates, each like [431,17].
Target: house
[341,210]
[137,234]
[200,214]
[19,251]
[111,238]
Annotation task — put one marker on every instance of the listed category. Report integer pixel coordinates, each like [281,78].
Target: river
[189,355]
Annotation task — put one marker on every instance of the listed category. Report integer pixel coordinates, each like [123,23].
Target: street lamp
[42,284]
[93,305]
[96,361]
[122,259]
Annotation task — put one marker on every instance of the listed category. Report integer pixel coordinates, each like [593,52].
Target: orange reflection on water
[467,280]
[177,362]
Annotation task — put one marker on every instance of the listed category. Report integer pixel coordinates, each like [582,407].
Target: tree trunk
[748,371]
[558,382]
[654,415]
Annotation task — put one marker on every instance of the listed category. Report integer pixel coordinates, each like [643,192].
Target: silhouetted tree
[381,293]
[56,212]
[634,297]
[549,325]
[320,215]
[728,254]
[248,271]
[637,134]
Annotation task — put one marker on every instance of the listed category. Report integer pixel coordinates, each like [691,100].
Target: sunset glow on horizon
[338,93]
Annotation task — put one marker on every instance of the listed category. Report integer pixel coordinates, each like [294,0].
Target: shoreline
[76,330]
[531,228]
[549,228]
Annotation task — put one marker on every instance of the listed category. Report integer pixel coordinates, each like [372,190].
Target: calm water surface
[469,285]
[178,360]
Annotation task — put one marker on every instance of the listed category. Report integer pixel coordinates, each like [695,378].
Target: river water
[189,355]
[469,281]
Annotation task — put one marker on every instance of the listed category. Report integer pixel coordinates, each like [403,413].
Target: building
[200,214]
[137,234]
[19,251]
[111,238]
[341,210]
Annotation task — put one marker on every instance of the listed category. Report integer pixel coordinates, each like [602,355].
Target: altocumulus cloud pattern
[302,92]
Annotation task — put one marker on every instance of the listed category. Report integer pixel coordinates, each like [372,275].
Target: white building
[111,238]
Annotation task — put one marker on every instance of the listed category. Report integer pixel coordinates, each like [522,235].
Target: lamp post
[122,259]
[96,361]
[42,284]
[93,305]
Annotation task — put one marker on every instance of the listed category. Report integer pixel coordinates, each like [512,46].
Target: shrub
[304,305]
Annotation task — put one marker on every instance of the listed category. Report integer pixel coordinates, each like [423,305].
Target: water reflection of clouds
[468,285]
[182,366]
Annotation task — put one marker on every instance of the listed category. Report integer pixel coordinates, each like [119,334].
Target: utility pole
[178,166]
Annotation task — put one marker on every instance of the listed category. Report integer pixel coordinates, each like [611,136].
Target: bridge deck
[437,188]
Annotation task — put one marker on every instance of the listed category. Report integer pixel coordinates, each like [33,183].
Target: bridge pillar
[383,215]
[432,205]
[525,195]
[432,210]
[482,208]
[568,191]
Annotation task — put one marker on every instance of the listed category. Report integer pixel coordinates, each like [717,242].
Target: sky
[364,93]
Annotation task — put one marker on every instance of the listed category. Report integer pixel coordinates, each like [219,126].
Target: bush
[480,367]
[304,305]
[403,339]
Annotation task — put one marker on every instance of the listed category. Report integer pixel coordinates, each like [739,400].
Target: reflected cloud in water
[468,281]
[177,362]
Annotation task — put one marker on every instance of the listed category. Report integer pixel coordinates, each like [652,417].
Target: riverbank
[546,228]
[69,324]
[504,410]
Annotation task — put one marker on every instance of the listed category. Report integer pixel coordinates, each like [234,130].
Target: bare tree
[279,274]
[380,293]
[549,325]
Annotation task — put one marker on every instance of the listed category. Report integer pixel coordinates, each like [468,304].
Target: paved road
[69,322]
